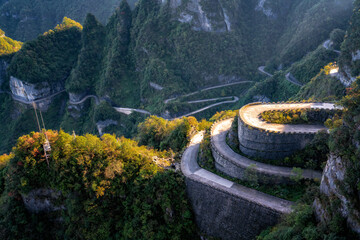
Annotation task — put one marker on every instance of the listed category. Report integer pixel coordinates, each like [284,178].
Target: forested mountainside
[8,45]
[169,58]
[25,20]
[156,57]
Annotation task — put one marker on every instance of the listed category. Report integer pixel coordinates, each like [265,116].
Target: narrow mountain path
[327,45]
[210,106]
[262,70]
[128,111]
[207,89]
[97,100]
[218,141]
[192,170]
[289,77]
[249,114]
[209,100]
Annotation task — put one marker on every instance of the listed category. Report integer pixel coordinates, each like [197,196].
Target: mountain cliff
[25,20]
[158,56]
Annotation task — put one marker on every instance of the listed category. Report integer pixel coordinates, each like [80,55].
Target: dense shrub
[163,134]
[8,45]
[110,189]
[50,57]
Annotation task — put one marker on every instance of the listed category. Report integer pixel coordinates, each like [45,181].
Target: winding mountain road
[209,100]
[250,115]
[218,140]
[128,111]
[207,89]
[97,100]
[210,106]
[192,170]
[289,77]
[262,70]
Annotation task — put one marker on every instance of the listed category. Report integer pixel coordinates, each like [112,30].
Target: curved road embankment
[97,100]
[250,113]
[236,165]
[223,208]
[128,111]
[290,78]
[262,70]
[210,106]
[260,139]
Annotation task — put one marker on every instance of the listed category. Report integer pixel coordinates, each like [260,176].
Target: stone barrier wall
[273,145]
[220,214]
[224,209]
[270,145]
[240,167]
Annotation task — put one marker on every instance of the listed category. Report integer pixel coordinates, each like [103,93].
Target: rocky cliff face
[208,16]
[263,8]
[25,20]
[42,200]
[29,92]
[334,199]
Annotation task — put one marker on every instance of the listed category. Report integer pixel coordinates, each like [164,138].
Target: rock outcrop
[28,92]
[208,16]
[345,76]
[333,199]
[267,11]
[41,200]
[101,125]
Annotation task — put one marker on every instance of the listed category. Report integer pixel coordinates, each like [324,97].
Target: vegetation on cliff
[344,141]
[8,45]
[164,135]
[322,87]
[83,77]
[25,20]
[50,57]
[350,55]
[109,188]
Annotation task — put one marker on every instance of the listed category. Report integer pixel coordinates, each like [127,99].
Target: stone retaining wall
[270,145]
[240,167]
[224,209]
[261,143]
[227,216]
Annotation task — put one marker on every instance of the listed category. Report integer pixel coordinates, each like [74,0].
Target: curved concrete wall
[269,145]
[258,138]
[224,215]
[224,209]
[238,166]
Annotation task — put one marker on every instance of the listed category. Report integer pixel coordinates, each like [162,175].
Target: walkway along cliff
[228,210]
[223,208]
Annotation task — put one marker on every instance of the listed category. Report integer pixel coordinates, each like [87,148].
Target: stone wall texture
[240,167]
[269,145]
[226,216]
